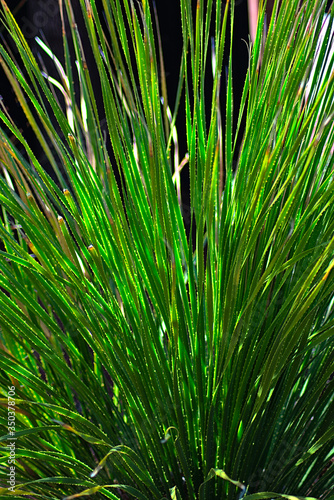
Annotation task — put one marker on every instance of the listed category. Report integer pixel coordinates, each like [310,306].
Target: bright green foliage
[145,366]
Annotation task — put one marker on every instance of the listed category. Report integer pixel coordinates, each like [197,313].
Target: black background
[41,18]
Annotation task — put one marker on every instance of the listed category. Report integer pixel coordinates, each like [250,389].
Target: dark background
[41,18]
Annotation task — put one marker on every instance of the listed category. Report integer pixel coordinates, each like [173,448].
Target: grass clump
[146,363]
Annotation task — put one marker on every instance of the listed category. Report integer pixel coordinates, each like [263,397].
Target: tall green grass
[147,364]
